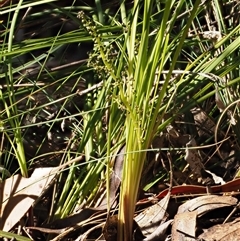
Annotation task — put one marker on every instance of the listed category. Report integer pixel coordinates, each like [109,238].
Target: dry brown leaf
[207,203]
[193,158]
[151,218]
[159,233]
[195,163]
[223,232]
[115,180]
[19,193]
[205,125]
[184,226]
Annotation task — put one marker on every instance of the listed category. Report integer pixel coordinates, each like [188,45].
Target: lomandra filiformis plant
[145,49]
[143,96]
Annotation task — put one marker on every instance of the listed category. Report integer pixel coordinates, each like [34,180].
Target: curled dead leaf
[151,218]
[206,203]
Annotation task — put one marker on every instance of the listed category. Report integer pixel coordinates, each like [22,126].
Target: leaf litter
[154,219]
[152,223]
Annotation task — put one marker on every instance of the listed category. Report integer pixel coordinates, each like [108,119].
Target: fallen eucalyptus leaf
[206,203]
[159,233]
[193,158]
[230,186]
[19,194]
[184,226]
[151,218]
[204,123]
[115,180]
